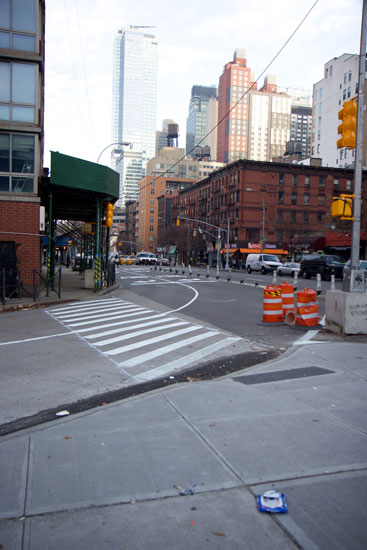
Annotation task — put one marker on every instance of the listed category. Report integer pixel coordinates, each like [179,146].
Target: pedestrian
[68,261]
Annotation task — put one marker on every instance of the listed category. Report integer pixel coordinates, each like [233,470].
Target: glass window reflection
[4,152]
[23,154]
[24,15]
[23,83]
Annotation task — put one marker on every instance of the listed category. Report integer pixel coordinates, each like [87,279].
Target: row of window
[18,92]
[306,199]
[17,163]
[300,217]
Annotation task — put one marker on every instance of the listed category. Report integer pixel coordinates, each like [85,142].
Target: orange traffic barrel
[307,308]
[287,297]
[272,306]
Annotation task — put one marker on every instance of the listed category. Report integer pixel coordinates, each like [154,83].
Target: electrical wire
[239,100]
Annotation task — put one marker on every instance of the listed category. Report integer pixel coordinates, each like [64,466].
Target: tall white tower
[134,106]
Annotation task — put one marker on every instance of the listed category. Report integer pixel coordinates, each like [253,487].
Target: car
[262,262]
[288,268]
[362,265]
[146,258]
[125,259]
[165,261]
[324,264]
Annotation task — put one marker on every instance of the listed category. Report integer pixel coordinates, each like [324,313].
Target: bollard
[318,284]
[160,265]
[190,272]
[207,271]
[229,274]
[332,282]
[295,280]
[274,277]
[183,268]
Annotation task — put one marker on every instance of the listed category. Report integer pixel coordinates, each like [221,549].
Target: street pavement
[111,477]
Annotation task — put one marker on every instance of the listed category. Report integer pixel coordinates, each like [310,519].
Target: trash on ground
[272,501]
[187,491]
[67,436]
[62,413]
[219,534]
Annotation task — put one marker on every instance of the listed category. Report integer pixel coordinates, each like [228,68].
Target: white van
[262,262]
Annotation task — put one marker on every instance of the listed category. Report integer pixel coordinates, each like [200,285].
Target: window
[348,185]
[321,181]
[306,199]
[345,78]
[294,181]
[19,18]
[152,183]
[320,217]
[152,201]
[182,170]
[17,166]
[151,220]
[307,181]
[151,229]
[331,70]
[281,197]
[281,179]
[321,200]
[152,191]
[294,198]
[344,94]
[18,92]
[349,76]
[293,216]
[336,183]
[305,217]
[152,210]
[280,215]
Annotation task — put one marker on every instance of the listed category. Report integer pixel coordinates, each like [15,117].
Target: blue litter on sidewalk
[273,502]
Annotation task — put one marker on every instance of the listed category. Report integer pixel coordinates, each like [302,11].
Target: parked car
[362,265]
[325,264]
[165,261]
[262,262]
[288,268]
[146,258]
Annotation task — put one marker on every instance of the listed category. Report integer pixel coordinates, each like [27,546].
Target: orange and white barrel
[287,297]
[307,308]
[272,305]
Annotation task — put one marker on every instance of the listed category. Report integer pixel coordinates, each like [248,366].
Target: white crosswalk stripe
[123,330]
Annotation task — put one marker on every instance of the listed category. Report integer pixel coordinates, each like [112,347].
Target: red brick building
[289,206]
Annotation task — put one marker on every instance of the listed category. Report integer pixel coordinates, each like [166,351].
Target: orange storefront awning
[265,251]
[230,250]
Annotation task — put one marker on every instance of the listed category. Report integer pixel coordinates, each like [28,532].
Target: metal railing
[12,286]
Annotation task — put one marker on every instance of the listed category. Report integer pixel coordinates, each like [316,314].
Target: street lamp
[125,143]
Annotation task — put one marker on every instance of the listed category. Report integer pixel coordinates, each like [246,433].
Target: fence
[12,287]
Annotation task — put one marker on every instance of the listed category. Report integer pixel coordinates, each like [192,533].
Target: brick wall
[19,222]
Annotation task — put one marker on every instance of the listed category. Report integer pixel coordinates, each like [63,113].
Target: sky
[196,38]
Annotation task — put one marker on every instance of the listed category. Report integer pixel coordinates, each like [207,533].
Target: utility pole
[356,234]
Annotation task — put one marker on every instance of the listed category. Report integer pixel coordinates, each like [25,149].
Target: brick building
[21,135]
[289,206]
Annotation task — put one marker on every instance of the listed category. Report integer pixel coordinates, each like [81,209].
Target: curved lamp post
[125,143]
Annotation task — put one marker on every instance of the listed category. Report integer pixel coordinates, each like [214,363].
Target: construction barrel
[307,308]
[287,297]
[272,306]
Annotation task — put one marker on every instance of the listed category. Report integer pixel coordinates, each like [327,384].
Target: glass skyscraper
[134,107]
[196,128]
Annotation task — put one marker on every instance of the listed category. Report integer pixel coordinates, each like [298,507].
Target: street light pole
[227,254]
[110,145]
[263,229]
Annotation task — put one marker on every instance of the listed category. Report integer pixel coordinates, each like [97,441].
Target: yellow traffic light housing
[178,222]
[109,214]
[348,127]
[342,207]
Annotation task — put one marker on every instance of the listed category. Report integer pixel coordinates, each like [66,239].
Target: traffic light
[109,214]
[342,207]
[178,222]
[194,233]
[348,127]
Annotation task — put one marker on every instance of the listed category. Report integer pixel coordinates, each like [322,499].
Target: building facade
[253,123]
[196,122]
[339,84]
[292,203]
[21,134]
[171,161]
[134,106]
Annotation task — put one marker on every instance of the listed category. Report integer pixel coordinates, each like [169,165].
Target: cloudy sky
[196,39]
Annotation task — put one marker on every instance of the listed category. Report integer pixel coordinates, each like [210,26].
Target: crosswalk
[146,343]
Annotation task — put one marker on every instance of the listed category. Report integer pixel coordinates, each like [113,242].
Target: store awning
[230,250]
[265,251]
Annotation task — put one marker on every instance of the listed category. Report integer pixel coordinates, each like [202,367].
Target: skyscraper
[196,121]
[134,106]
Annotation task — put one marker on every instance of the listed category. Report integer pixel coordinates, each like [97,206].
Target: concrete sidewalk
[105,479]
[72,288]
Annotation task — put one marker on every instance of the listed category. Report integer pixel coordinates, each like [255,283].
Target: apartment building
[339,84]
[172,161]
[22,32]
